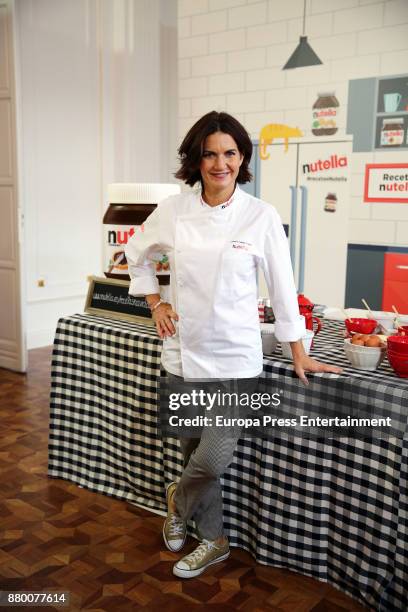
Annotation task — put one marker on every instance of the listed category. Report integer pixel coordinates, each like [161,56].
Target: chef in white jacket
[215,240]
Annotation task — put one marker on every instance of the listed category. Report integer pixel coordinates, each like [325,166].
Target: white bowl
[360,348]
[386,319]
[402,320]
[306,341]
[269,341]
[364,357]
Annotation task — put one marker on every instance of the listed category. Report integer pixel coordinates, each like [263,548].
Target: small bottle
[330,202]
[269,316]
[261,310]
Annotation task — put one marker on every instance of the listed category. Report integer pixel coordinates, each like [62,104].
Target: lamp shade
[303,55]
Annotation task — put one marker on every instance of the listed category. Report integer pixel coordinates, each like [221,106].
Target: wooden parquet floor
[105,552]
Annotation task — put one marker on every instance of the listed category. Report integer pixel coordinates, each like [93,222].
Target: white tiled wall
[231,56]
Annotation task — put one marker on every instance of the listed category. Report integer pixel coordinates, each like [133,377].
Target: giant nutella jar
[129,206]
[325,114]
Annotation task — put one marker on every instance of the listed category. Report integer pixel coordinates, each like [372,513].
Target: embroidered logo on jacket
[240,244]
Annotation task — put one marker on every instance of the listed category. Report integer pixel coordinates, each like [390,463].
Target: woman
[215,241]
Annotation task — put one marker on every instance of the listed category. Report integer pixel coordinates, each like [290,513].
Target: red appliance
[395,288]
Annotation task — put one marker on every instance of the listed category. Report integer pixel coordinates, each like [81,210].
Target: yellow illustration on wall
[276,130]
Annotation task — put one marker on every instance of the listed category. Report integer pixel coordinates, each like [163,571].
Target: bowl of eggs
[365,352]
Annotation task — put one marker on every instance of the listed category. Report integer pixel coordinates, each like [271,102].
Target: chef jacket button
[180,283]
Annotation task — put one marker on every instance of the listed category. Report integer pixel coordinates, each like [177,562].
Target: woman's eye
[230,153]
[207,154]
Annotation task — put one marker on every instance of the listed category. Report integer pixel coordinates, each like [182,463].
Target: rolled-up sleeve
[277,268]
[139,251]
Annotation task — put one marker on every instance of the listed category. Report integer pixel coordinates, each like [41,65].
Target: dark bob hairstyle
[191,149]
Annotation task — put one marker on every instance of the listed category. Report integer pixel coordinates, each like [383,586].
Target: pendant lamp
[303,55]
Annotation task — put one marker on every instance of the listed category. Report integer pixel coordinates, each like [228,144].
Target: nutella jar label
[115,262]
[392,133]
[115,239]
[325,115]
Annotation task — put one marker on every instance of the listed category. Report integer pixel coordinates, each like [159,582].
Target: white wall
[91,98]
[231,54]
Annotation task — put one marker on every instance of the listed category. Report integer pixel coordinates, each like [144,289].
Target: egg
[357,337]
[357,341]
[373,341]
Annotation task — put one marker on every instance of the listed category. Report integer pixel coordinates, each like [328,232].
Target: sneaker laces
[176,525]
[200,551]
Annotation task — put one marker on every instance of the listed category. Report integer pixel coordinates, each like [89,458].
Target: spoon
[368,308]
[396,323]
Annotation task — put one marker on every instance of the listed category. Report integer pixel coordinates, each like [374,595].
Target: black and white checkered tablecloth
[336,509]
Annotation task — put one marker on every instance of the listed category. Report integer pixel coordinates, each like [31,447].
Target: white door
[13,354]
[324,171]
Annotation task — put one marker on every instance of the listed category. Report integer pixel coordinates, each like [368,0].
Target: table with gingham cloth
[334,508]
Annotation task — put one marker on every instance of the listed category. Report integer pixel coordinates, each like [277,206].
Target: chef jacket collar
[220,208]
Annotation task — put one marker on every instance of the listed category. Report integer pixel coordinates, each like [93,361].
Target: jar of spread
[325,114]
[129,206]
[330,202]
[392,132]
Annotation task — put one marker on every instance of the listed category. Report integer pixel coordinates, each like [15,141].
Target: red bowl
[360,326]
[398,344]
[396,355]
[403,330]
[399,364]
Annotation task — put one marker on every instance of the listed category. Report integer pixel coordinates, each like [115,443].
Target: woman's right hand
[163,317]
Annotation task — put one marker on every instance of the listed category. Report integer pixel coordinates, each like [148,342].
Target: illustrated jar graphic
[325,114]
[330,202]
[129,206]
[392,132]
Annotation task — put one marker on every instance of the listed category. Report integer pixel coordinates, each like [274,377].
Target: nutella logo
[327,164]
[116,237]
[326,112]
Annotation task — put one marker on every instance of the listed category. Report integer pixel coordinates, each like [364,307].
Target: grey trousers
[198,495]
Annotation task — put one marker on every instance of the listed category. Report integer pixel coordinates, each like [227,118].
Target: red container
[399,363]
[360,326]
[398,344]
[396,354]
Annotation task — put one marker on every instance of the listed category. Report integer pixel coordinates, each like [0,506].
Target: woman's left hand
[304,363]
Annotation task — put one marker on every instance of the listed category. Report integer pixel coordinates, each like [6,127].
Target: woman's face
[220,162]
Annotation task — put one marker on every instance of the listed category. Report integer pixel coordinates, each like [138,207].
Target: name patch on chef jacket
[240,244]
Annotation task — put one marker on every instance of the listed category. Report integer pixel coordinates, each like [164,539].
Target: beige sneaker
[174,528]
[206,553]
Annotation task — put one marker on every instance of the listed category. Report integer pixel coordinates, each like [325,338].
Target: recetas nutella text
[400,182]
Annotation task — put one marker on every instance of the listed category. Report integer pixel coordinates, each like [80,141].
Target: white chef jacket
[213,254]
